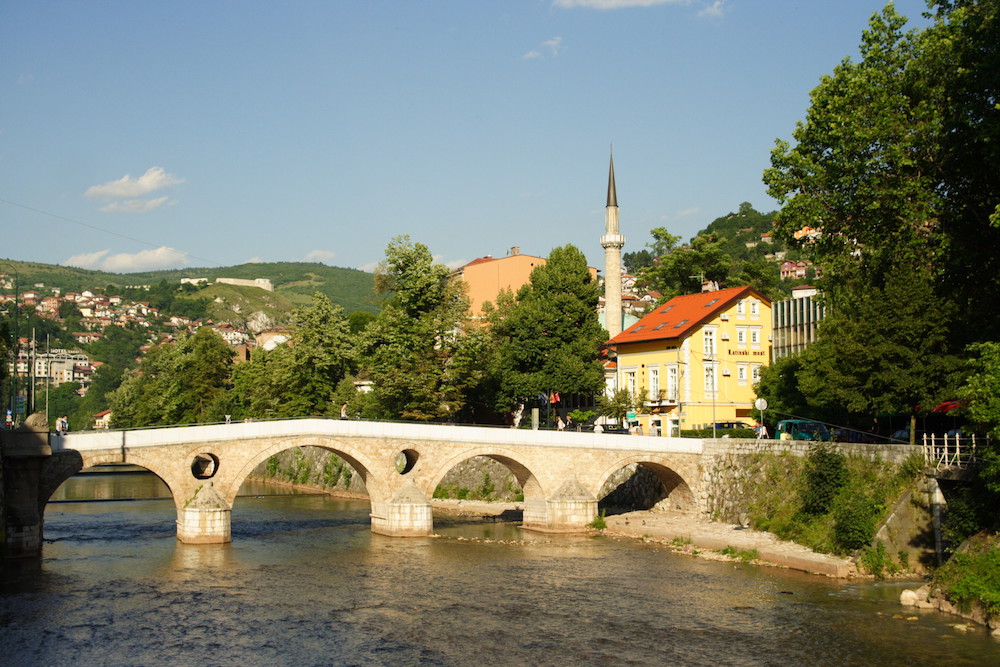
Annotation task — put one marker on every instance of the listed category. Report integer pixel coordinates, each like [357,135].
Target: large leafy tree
[896,164]
[547,338]
[300,378]
[409,349]
[896,160]
[180,383]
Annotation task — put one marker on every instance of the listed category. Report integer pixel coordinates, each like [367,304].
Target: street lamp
[14,343]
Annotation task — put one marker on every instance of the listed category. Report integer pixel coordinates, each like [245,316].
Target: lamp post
[15,342]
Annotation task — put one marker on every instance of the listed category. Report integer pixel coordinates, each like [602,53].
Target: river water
[305,582]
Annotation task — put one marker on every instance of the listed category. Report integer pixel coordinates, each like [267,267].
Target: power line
[106,231]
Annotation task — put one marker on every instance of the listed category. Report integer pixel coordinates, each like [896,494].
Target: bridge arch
[63,465]
[372,474]
[524,475]
[670,472]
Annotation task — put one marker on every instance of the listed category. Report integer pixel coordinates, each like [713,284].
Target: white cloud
[615,4]
[125,195]
[127,187]
[714,10]
[554,45]
[255,260]
[133,205]
[369,267]
[144,260]
[321,256]
[694,210]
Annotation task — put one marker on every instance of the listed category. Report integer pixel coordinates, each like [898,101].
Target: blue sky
[140,135]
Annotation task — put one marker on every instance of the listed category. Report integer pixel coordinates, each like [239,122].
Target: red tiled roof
[679,316]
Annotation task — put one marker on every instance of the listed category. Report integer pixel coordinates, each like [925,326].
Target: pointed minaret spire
[612,242]
[612,196]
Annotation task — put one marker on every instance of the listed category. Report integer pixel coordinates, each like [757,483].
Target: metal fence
[949,451]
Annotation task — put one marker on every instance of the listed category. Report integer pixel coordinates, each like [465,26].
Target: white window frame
[755,372]
[673,383]
[654,383]
[741,337]
[741,373]
[755,338]
[708,341]
[711,379]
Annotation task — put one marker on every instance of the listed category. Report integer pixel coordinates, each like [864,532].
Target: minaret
[612,242]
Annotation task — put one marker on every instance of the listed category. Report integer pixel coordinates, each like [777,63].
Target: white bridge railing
[949,451]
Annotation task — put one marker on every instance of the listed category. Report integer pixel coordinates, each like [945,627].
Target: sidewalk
[665,528]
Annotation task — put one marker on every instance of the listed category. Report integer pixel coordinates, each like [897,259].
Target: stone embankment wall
[732,467]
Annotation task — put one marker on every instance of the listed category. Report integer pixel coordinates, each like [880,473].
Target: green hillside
[250,307]
[295,281]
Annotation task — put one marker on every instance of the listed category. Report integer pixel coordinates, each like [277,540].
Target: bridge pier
[22,453]
[205,518]
[569,510]
[406,515]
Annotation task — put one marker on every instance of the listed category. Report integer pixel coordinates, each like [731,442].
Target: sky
[148,135]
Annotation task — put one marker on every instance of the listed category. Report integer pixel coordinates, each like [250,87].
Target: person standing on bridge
[343,411]
[560,424]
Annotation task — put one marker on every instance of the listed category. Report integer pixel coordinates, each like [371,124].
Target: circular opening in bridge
[204,466]
[405,461]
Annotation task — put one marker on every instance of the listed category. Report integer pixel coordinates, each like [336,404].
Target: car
[802,429]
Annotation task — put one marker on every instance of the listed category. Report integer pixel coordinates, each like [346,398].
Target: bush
[973,577]
[825,475]
[855,520]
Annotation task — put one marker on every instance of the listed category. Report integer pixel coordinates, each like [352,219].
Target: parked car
[802,429]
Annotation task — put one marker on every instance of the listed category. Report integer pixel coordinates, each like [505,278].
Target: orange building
[487,276]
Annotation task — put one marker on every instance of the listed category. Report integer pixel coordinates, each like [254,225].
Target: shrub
[825,475]
[855,520]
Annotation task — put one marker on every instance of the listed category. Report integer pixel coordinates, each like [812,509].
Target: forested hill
[296,281]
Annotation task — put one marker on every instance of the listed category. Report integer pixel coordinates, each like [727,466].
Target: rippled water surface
[305,582]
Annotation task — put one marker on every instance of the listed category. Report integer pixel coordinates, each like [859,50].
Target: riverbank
[688,534]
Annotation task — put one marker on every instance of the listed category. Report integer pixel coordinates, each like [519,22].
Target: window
[741,337]
[755,337]
[741,373]
[630,383]
[754,310]
[709,342]
[672,383]
[654,384]
[755,373]
[741,309]
[710,380]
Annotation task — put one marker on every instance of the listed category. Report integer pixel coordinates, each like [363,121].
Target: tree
[895,164]
[300,378]
[982,395]
[681,269]
[410,346]
[179,383]
[548,338]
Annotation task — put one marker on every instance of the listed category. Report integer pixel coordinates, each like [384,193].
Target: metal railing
[949,451]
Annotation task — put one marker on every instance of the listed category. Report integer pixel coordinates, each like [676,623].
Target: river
[305,582]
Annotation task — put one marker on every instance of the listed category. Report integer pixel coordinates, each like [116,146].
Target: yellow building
[695,359]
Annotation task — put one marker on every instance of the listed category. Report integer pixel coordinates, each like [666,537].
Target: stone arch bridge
[561,473]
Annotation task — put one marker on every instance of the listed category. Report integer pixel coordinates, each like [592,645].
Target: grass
[744,555]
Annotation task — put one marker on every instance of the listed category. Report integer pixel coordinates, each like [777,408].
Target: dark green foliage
[855,520]
[973,577]
[877,561]
[825,475]
[547,338]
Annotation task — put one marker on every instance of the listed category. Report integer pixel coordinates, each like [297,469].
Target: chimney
[516,250]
